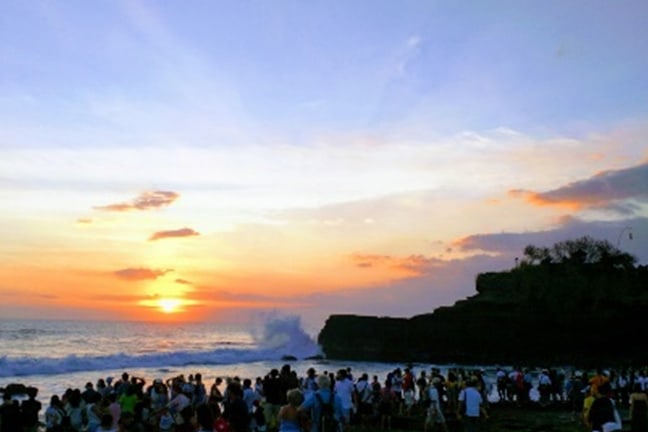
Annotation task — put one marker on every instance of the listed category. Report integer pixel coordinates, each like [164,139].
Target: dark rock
[315,357]
[288,358]
[550,313]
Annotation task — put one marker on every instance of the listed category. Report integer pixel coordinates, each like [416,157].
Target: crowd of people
[283,401]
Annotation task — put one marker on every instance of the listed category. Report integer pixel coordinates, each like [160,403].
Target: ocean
[56,355]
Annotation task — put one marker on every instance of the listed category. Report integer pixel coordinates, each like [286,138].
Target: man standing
[10,420]
[471,405]
[320,402]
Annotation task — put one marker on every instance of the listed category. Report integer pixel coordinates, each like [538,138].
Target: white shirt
[344,389]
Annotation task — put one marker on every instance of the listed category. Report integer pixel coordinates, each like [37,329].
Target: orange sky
[159,162]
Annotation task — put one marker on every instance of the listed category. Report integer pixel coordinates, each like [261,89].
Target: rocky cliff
[575,311]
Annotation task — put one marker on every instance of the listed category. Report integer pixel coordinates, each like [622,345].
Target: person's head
[295,397]
[636,388]
[32,392]
[234,390]
[6,397]
[604,389]
[247,383]
[323,382]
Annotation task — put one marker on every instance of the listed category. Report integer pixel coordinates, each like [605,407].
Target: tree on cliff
[584,250]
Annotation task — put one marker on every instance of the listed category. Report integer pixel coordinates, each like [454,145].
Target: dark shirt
[272,390]
[236,413]
[30,409]
[10,420]
[601,412]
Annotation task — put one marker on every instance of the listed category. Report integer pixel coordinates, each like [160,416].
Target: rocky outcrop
[550,313]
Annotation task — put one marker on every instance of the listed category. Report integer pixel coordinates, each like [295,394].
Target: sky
[221,161]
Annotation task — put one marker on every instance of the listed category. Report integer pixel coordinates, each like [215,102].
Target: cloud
[607,189]
[135,274]
[183,232]
[27,294]
[244,300]
[416,264]
[513,244]
[146,201]
[182,282]
[84,221]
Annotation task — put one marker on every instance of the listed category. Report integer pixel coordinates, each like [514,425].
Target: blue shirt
[312,405]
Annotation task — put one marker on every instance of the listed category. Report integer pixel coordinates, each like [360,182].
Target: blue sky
[361,138]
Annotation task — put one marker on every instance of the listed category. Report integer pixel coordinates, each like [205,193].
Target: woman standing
[54,415]
[289,417]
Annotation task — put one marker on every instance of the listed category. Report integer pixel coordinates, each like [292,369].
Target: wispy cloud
[183,232]
[146,201]
[245,300]
[607,189]
[416,264]
[141,273]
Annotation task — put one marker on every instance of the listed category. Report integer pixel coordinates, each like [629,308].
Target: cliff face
[534,314]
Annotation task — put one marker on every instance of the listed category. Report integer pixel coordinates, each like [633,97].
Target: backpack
[327,422]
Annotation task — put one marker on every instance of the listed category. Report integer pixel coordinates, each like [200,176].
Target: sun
[169,305]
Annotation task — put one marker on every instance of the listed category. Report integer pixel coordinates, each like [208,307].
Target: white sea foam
[64,352]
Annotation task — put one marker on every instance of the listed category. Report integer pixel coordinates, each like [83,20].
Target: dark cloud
[182,281]
[616,232]
[135,274]
[146,201]
[607,189]
[183,232]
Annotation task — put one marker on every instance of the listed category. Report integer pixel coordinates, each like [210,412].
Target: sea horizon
[54,355]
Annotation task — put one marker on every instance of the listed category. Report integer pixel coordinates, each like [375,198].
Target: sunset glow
[169,305]
[225,161]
